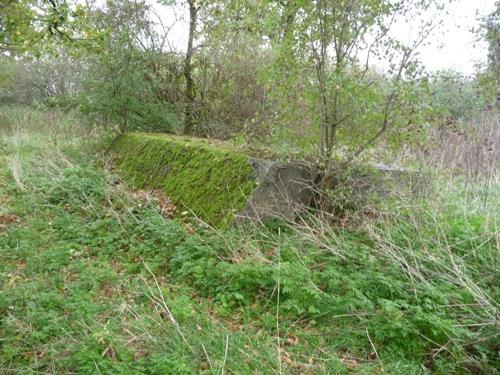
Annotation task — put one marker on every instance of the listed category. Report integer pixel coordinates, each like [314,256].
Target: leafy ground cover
[95,280]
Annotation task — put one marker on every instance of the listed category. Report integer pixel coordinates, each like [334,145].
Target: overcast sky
[453,46]
[460,49]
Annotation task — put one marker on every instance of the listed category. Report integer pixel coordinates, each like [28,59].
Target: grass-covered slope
[211,181]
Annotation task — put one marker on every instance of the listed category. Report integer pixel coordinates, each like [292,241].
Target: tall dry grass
[471,150]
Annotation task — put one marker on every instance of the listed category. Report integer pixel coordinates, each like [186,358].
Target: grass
[94,280]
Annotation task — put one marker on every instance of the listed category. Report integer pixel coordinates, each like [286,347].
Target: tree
[126,82]
[491,27]
[25,24]
[193,8]
[455,96]
[46,80]
[189,118]
[490,31]
[332,34]
[322,72]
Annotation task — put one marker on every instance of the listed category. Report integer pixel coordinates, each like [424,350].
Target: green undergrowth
[93,280]
[211,181]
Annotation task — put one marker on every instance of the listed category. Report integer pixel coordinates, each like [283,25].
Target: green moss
[212,181]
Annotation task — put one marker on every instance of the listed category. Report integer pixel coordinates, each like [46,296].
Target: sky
[460,50]
[452,46]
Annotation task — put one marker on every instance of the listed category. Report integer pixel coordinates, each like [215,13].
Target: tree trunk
[189,117]
[321,71]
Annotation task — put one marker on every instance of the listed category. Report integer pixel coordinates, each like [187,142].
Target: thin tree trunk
[189,117]
[325,120]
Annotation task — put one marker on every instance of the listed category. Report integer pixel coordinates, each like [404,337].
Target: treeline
[290,74]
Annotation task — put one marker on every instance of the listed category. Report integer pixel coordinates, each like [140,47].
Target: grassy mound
[213,182]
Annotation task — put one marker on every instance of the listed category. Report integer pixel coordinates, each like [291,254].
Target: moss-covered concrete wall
[212,181]
[220,184]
